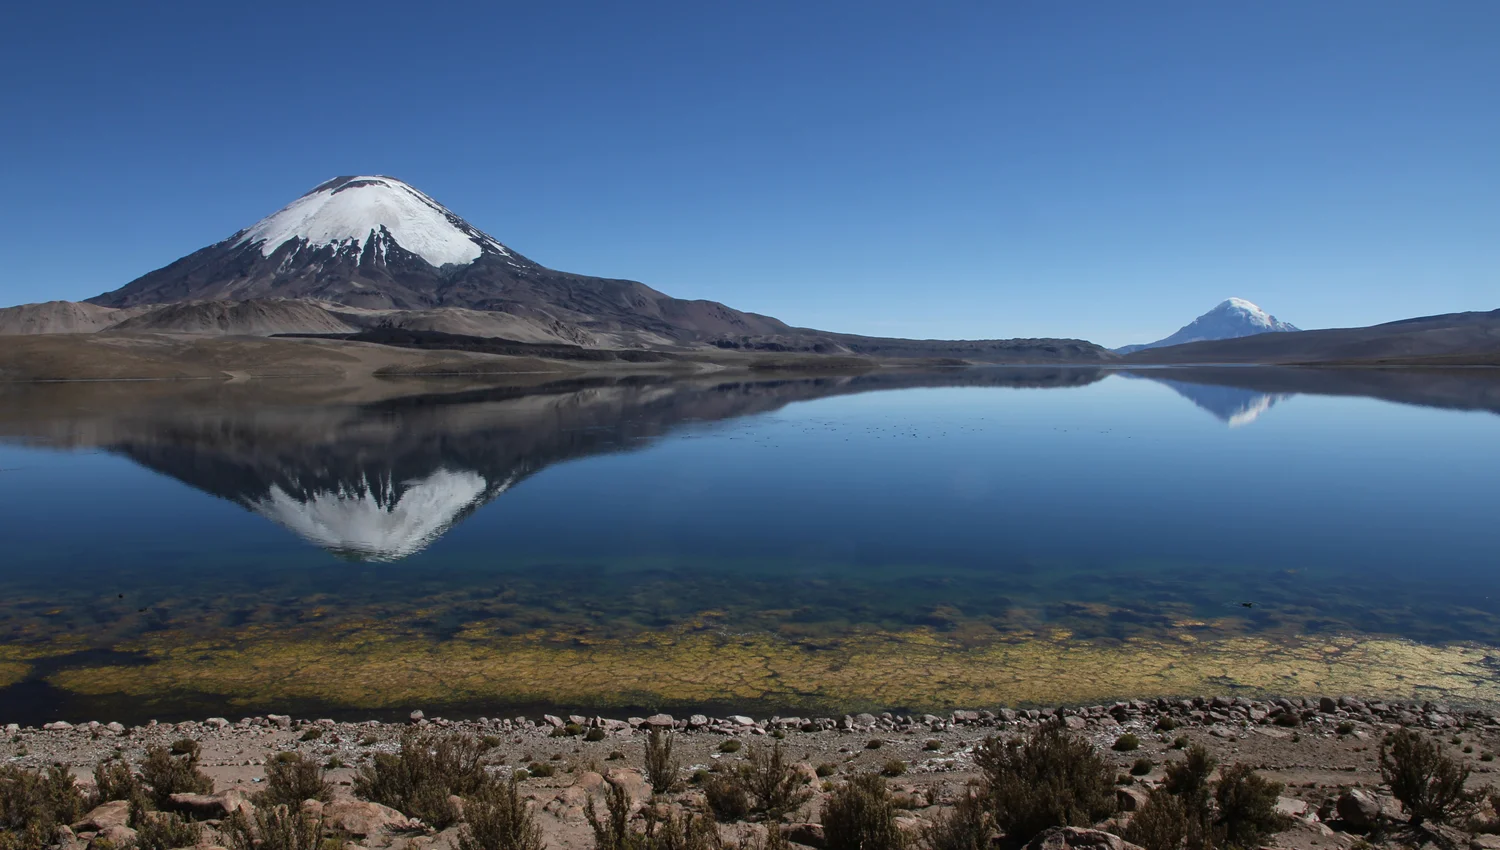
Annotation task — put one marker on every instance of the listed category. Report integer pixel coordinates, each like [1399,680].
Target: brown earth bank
[1323,752]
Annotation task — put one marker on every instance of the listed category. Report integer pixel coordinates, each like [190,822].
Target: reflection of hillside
[383,480]
[1212,388]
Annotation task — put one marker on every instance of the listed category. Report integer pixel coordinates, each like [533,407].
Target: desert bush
[770,779]
[34,803]
[169,774]
[312,734]
[1161,824]
[1166,723]
[1345,727]
[594,734]
[967,826]
[932,745]
[1190,778]
[671,832]
[727,795]
[874,744]
[114,780]
[273,828]
[894,767]
[1247,808]
[1429,783]
[1180,742]
[418,780]
[289,781]
[860,816]
[1141,767]
[162,830]
[1046,779]
[541,769]
[497,818]
[1127,742]
[661,766]
[825,770]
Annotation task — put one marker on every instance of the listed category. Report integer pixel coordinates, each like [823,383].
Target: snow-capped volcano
[369,215]
[1231,319]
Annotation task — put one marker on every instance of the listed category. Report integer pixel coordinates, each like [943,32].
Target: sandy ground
[1326,753]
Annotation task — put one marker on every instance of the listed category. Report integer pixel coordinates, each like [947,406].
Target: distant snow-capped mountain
[1232,319]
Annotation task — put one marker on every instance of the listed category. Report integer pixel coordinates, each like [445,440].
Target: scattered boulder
[630,781]
[809,834]
[215,806]
[1078,838]
[115,836]
[113,813]
[362,819]
[1131,798]
[1359,810]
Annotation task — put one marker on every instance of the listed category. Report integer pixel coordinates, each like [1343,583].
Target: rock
[740,720]
[660,721]
[1484,842]
[1327,705]
[57,726]
[1078,838]
[630,781]
[553,720]
[810,834]
[282,721]
[113,813]
[1074,722]
[1358,809]
[361,819]
[217,722]
[212,806]
[312,808]
[1131,798]
[1291,807]
[697,721]
[417,716]
[115,836]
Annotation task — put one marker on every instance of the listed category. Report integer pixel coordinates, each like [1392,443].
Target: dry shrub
[418,780]
[273,828]
[661,766]
[169,774]
[1429,783]
[34,803]
[497,818]
[1047,779]
[861,816]
[967,826]
[292,778]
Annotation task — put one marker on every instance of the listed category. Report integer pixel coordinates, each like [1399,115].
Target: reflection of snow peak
[376,519]
[1252,410]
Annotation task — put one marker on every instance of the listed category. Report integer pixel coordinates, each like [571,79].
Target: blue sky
[1102,170]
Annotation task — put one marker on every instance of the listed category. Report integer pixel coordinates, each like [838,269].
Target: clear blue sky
[994,169]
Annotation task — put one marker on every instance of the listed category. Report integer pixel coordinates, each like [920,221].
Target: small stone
[660,721]
[417,715]
[740,720]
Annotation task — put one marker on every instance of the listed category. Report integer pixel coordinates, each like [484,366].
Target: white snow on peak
[1251,311]
[348,212]
[370,520]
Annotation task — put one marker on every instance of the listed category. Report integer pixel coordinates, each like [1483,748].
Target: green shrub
[1046,779]
[894,767]
[670,832]
[572,730]
[1127,742]
[520,774]
[187,747]
[615,755]
[1429,783]
[860,816]
[418,780]
[289,781]
[730,746]
[1141,767]
[825,770]
[1247,808]
[1345,727]
[162,830]
[662,767]
[967,826]
[312,734]
[594,734]
[1189,779]
[273,828]
[932,745]
[169,774]
[490,742]
[34,803]
[541,769]
[1180,742]
[371,740]
[1166,723]
[497,818]
[874,744]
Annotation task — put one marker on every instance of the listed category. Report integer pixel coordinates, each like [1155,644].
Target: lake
[794,544]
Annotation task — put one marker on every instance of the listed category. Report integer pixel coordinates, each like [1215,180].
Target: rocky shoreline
[1321,749]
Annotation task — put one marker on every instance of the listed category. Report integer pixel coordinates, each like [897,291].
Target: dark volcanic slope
[1451,339]
[376,243]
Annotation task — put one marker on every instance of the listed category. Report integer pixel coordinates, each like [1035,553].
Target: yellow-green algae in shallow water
[373,667]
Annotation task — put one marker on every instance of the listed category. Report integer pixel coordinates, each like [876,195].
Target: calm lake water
[788,544]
